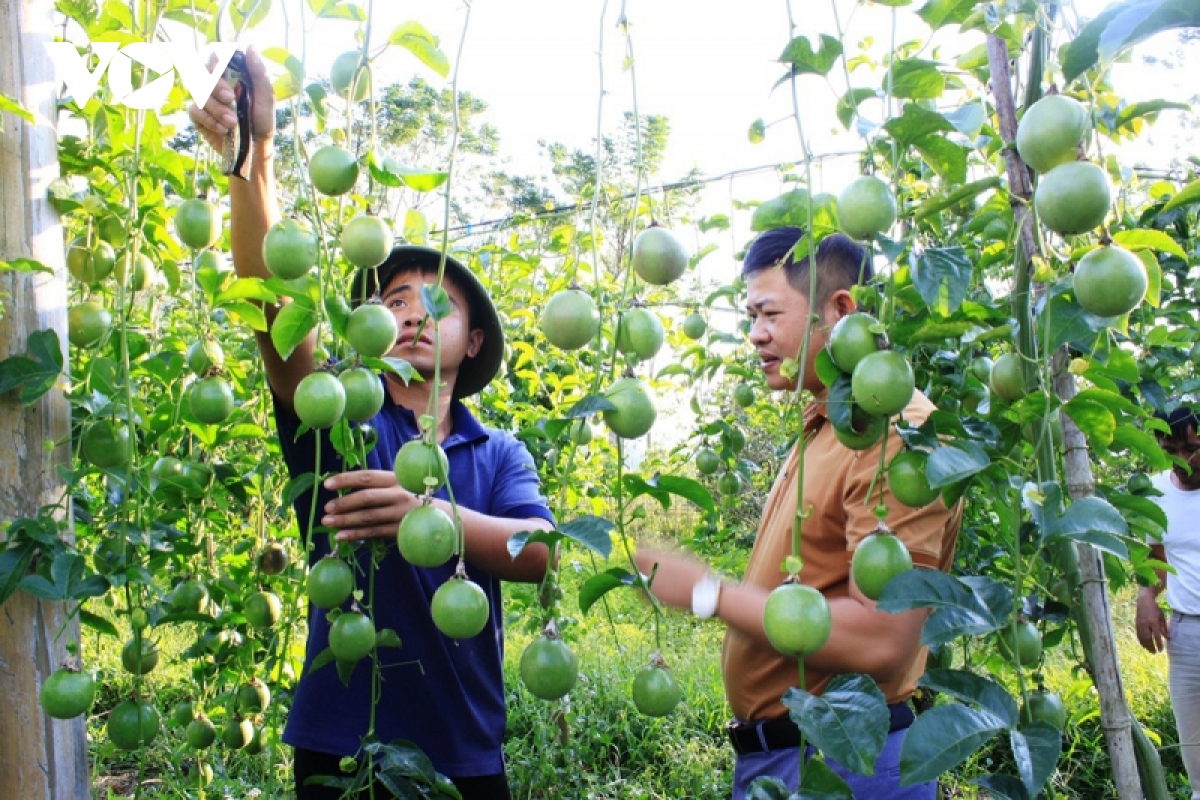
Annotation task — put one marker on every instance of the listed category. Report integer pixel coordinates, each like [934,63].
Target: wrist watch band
[705,595]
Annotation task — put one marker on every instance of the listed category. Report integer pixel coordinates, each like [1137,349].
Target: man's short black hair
[841,263]
[1181,420]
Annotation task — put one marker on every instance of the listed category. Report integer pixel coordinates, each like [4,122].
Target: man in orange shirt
[836,484]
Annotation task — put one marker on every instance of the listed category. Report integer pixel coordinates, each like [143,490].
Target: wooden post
[1097,630]
[40,758]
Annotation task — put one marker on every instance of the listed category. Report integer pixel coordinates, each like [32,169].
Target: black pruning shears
[236,158]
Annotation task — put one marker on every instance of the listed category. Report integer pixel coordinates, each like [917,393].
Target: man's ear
[474,342]
[840,304]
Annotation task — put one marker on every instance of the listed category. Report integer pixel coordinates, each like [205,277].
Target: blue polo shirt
[445,695]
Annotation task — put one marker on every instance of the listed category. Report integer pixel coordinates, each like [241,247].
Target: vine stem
[813,318]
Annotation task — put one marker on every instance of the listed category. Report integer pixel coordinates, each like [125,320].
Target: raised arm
[254,209]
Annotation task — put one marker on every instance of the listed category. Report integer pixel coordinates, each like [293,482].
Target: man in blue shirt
[447,696]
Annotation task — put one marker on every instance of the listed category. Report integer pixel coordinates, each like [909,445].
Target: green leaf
[246,289]
[939,13]
[24,265]
[296,487]
[1069,322]
[249,314]
[97,623]
[1094,419]
[847,107]
[818,781]
[414,38]
[396,366]
[294,322]
[946,158]
[916,79]
[848,722]
[1130,23]
[518,541]
[968,687]
[591,532]
[345,670]
[14,564]
[337,310]
[387,638]
[839,402]
[437,301]
[391,172]
[804,60]
[951,463]
[1148,108]
[915,123]
[348,11]
[922,588]
[963,193]
[790,209]
[601,584]
[1187,196]
[1131,505]
[13,107]
[1036,749]
[1129,437]
[968,119]
[661,487]
[943,277]
[36,373]
[1149,239]
[757,131]
[942,738]
[827,371]
[1002,787]
[592,404]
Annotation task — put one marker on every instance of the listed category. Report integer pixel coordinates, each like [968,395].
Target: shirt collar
[464,428]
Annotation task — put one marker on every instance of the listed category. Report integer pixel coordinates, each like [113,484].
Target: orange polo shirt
[836,482]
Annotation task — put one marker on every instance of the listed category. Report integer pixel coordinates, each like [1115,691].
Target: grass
[595,744]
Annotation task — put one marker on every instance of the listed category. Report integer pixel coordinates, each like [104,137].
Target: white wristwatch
[705,595]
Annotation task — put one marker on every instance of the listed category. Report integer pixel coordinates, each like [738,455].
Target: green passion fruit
[420,464]
[333,170]
[658,256]
[548,668]
[634,414]
[88,324]
[364,393]
[1110,281]
[866,207]
[348,71]
[640,333]
[797,619]
[1073,198]
[570,319]
[877,559]
[427,536]
[319,400]
[366,241]
[289,249]
[372,330]
[198,223]
[460,608]
[852,339]
[1051,131]
[67,693]
[655,691]
[883,383]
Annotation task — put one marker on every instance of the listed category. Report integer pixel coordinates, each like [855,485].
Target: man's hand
[1152,631]
[373,509]
[218,114]
[677,574]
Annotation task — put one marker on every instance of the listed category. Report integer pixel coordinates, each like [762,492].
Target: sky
[707,65]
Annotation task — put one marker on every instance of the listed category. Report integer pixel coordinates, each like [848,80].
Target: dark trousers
[308,763]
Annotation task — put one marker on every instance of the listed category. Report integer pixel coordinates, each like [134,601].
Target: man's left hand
[676,576]
[373,508]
